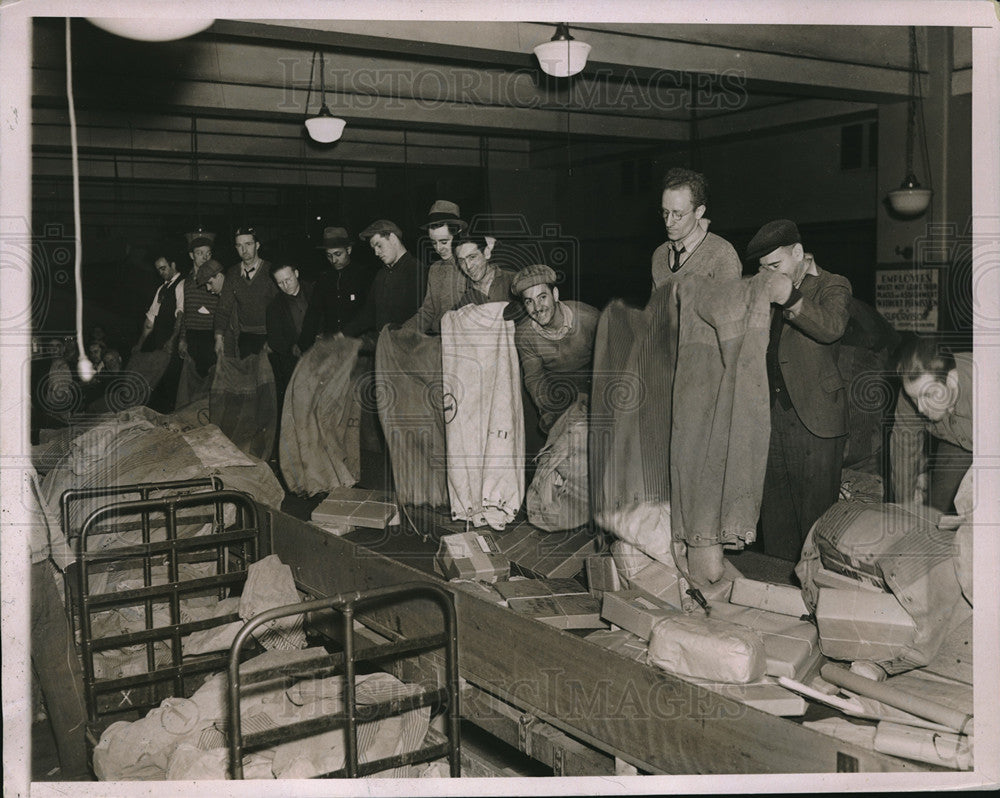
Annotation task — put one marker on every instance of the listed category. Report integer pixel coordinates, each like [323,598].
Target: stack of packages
[544,589]
[345,509]
[884,583]
[752,634]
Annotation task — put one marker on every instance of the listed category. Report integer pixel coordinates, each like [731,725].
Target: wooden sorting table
[569,703]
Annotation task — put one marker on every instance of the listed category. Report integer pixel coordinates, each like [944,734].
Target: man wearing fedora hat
[808,394]
[555,344]
[398,286]
[339,293]
[690,248]
[446,283]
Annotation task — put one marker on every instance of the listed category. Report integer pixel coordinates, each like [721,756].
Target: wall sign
[908,298]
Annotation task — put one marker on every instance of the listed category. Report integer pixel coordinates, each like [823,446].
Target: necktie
[248,273]
[675,256]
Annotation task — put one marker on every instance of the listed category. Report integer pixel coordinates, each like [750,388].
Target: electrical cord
[85,367]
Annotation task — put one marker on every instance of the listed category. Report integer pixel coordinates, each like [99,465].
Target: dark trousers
[201,349]
[802,481]
[946,467]
[251,343]
[163,399]
[55,665]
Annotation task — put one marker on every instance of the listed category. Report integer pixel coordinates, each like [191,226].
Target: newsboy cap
[779,233]
[381,227]
[537,274]
[444,212]
[199,238]
[207,271]
[335,237]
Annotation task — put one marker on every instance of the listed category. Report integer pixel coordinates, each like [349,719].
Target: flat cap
[779,233]
[532,275]
[199,238]
[246,230]
[335,237]
[207,271]
[381,227]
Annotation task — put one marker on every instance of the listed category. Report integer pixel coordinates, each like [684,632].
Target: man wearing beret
[808,394]
[340,291]
[690,248]
[196,339]
[398,286]
[247,291]
[555,344]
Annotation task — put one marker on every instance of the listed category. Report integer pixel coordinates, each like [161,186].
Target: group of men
[256,306]
[809,396]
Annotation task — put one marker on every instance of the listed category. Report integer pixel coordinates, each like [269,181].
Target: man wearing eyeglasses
[690,248]
[247,291]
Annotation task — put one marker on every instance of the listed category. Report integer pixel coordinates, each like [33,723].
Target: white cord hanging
[85,367]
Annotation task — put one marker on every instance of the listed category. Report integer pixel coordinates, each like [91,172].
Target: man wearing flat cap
[398,286]
[446,284]
[197,338]
[200,244]
[808,395]
[555,344]
[690,248]
[247,291]
[340,291]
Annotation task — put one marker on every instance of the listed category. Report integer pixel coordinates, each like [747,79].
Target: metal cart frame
[233,550]
[347,604]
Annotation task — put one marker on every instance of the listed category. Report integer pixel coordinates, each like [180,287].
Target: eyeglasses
[674,216]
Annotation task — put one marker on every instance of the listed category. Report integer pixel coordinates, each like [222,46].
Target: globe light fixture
[153,28]
[324,127]
[910,199]
[563,55]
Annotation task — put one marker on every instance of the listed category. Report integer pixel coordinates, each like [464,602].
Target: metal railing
[446,696]
[232,549]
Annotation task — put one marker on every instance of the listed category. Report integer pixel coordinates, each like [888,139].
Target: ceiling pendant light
[910,199]
[152,28]
[324,127]
[563,55]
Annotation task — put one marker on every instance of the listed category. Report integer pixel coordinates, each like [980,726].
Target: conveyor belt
[648,718]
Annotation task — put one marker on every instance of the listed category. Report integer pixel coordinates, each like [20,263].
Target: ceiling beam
[661,48]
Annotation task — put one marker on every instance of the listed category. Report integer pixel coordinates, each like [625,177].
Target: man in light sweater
[555,344]
[690,248]
[446,283]
[935,400]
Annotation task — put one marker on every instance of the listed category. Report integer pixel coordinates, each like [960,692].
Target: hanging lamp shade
[325,127]
[563,55]
[152,29]
[911,199]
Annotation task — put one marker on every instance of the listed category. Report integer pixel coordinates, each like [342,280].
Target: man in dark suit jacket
[808,394]
[285,314]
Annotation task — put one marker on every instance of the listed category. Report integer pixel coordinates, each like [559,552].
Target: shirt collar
[563,329]
[693,239]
